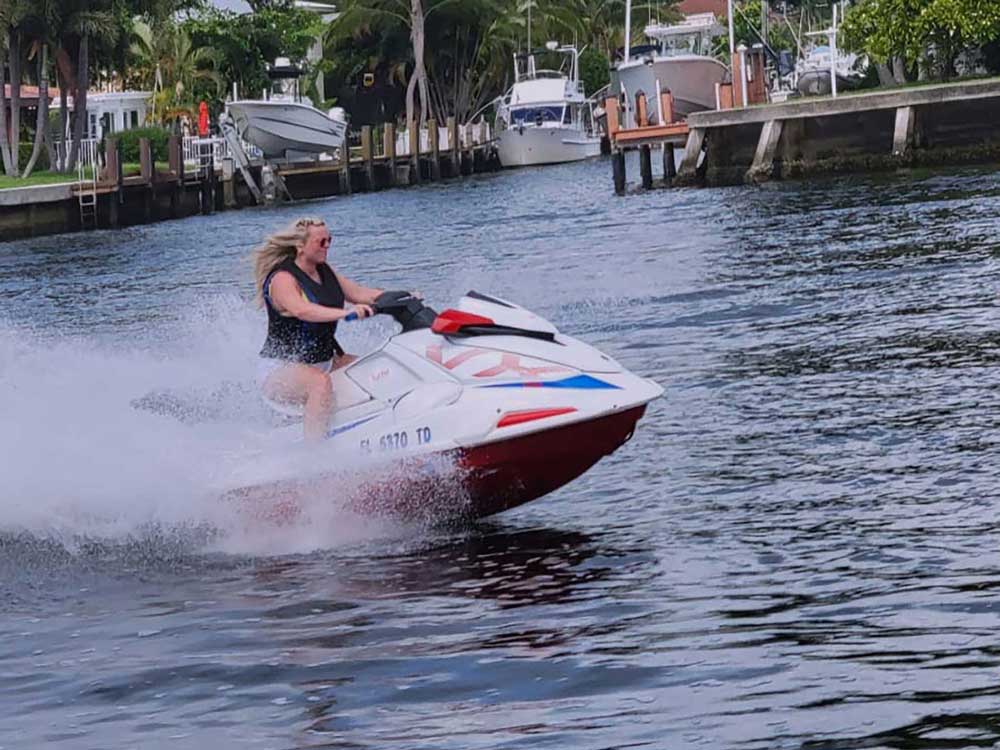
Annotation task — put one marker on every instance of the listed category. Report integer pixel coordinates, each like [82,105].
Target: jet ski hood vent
[480,315]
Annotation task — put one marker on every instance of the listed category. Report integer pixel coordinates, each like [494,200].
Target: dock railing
[469,136]
[194,153]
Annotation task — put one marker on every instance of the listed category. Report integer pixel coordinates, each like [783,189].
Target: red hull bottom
[512,472]
[468,483]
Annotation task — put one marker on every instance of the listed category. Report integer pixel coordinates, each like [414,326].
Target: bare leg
[302,384]
[343,361]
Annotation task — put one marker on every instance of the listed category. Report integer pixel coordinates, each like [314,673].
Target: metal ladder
[86,187]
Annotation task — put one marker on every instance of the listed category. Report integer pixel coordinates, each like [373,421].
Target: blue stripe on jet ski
[585,382]
[344,428]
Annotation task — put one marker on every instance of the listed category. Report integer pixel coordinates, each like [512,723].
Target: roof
[241,6]
[31,92]
[689,7]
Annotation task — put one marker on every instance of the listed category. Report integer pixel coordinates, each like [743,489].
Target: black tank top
[298,340]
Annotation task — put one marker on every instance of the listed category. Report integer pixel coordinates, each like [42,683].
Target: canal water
[798,548]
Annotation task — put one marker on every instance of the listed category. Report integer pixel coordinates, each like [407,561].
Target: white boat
[678,60]
[545,117]
[286,125]
[813,72]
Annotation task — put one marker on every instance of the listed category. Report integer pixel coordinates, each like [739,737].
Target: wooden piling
[368,155]
[146,171]
[228,184]
[432,132]
[468,152]
[389,147]
[669,165]
[175,161]
[214,197]
[611,111]
[646,166]
[414,133]
[145,160]
[453,147]
[618,169]
[115,178]
[206,185]
[667,108]
[641,113]
[344,173]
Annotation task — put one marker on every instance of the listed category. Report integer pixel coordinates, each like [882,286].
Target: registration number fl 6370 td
[397,441]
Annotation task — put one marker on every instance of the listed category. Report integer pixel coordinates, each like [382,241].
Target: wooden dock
[644,131]
[944,124]
[208,180]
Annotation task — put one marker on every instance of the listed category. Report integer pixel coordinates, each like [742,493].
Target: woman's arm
[356,293]
[286,296]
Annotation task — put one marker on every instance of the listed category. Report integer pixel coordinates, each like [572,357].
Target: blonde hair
[279,247]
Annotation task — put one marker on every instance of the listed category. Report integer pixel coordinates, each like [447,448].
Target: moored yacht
[679,60]
[545,117]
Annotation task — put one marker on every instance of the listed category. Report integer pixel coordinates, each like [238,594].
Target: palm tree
[38,19]
[473,45]
[5,155]
[413,15]
[85,21]
[166,61]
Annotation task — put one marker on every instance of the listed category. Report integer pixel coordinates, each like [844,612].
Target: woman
[304,298]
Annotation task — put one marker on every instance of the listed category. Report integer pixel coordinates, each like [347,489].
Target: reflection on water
[796,550]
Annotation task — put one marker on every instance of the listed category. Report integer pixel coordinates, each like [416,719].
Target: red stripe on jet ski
[452,321]
[520,417]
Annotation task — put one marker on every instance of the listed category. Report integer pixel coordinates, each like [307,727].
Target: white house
[114,111]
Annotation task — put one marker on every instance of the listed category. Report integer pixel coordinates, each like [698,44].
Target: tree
[411,14]
[601,23]
[746,30]
[472,49]
[593,71]
[167,62]
[921,32]
[5,19]
[245,44]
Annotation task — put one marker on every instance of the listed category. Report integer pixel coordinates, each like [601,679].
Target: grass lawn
[133,168]
[37,178]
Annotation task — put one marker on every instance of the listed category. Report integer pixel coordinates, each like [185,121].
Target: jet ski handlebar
[405,308]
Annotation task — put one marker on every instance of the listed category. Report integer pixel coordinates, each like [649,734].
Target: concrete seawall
[932,125]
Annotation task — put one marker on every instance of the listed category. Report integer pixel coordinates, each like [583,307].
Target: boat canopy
[692,36]
[697,23]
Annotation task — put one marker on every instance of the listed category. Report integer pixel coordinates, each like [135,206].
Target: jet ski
[485,400]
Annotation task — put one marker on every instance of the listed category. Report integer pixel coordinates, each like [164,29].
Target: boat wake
[83,466]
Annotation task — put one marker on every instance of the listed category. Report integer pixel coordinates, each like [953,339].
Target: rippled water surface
[798,549]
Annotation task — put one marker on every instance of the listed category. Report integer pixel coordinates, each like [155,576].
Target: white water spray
[79,461]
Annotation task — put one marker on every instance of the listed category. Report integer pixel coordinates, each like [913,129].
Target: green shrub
[594,71]
[24,154]
[129,140]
